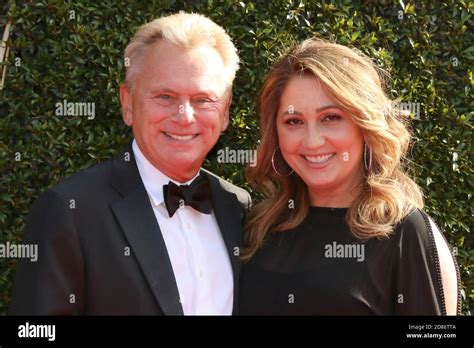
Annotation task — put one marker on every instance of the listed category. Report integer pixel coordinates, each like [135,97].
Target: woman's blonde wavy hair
[387,195]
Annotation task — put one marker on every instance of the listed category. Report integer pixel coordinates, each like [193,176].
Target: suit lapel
[135,215]
[229,217]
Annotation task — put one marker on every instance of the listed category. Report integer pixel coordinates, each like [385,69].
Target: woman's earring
[274,167]
[367,157]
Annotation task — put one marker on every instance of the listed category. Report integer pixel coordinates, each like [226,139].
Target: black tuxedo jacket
[100,249]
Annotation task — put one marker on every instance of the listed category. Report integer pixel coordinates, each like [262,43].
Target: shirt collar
[152,177]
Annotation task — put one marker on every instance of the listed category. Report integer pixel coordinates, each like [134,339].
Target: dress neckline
[328,210]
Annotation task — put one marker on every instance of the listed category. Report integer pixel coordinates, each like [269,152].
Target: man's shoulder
[83,191]
[93,177]
[242,195]
[98,178]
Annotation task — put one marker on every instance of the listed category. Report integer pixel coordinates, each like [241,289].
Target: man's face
[178,106]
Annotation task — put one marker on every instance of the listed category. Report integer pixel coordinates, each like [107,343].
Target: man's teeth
[180,137]
[319,159]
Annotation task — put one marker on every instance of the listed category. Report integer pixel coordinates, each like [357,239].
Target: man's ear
[225,122]
[126,101]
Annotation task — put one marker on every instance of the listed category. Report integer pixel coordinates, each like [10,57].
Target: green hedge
[73,50]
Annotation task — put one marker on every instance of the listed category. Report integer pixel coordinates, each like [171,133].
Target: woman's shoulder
[415,226]
[415,219]
[419,228]
[411,239]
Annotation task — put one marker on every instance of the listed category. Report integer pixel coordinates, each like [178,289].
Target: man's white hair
[186,30]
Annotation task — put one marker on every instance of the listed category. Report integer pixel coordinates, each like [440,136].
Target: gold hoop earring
[274,167]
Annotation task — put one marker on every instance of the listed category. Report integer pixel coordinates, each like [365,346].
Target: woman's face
[318,139]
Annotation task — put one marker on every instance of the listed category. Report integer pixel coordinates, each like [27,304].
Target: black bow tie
[197,195]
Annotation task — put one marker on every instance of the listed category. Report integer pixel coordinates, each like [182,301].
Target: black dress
[319,268]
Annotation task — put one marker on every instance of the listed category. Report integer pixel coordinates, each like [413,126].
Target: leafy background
[73,50]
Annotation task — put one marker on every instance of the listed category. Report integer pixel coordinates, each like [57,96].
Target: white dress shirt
[195,246]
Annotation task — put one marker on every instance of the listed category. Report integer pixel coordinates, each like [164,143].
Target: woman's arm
[448,271]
